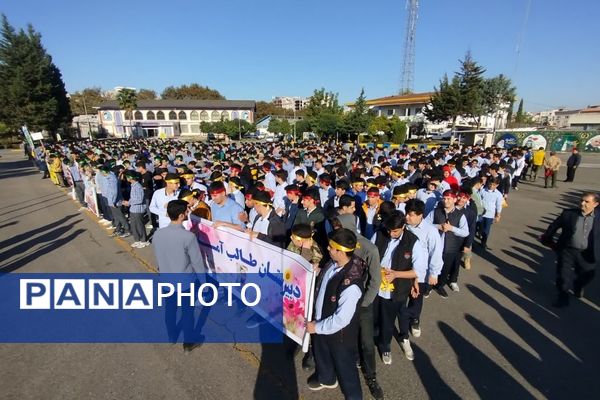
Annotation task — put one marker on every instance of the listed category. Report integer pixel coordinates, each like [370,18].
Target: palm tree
[127,101]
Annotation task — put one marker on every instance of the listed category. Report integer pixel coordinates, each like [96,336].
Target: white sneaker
[144,244]
[386,357]
[408,351]
[103,221]
[454,287]
[149,226]
[136,244]
[110,228]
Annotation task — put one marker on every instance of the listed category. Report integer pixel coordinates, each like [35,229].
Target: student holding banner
[336,325]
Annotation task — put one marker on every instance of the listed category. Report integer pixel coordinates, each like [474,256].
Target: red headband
[216,191]
[296,192]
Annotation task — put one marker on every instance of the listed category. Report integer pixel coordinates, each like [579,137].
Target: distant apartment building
[291,103]
[546,117]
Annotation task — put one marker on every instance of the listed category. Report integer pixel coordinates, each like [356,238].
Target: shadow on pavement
[488,379]
[432,381]
[276,378]
[49,242]
[18,238]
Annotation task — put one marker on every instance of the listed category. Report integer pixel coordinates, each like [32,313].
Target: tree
[397,129]
[520,117]
[85,101]
[324,113]
[146,94]
[446,102]
[471,88]
[498,95]
[358,120]
[32,91]
[193,91]
[127,99]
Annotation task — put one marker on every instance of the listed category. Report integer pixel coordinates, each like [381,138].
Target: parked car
[442,136]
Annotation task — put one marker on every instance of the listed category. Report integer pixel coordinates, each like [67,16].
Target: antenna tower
[408,64]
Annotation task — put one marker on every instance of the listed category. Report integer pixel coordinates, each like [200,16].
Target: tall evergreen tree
[32,91]
[446,102]
[520,117]
[471,88]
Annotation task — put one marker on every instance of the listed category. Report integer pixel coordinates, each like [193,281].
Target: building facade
[171,118]
[411,108]
[291,103]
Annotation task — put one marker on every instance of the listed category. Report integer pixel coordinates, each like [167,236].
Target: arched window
[138,116]
[128,114]
[225,116]
[194,116]
[172,115]
[204,116]
[215,116]
[235,115]
[160,115]
[150,115]
[182,115]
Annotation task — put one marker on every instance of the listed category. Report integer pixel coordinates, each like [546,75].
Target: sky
[260,49]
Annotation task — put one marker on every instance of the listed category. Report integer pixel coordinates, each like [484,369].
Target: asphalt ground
[498,338]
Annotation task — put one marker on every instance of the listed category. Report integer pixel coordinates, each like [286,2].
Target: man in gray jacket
[177,251]
[368,252]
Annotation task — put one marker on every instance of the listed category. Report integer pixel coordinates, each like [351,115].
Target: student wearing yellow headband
[162,197]
[336,324]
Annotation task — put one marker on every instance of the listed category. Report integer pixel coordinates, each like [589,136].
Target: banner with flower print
[229,251]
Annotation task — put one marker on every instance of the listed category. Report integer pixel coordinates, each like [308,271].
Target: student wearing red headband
[370,209]
[225,211]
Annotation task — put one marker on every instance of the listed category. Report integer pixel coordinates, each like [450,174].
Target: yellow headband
[262,203]
[296,237]
[187,176]
[187,198]
[337,246]
[172,180]
[399,196]
[412,191]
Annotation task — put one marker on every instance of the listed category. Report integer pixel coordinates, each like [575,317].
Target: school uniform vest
[452,243]
[401,260]
[352,274]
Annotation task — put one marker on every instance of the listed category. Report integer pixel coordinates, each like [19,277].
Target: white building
[86,125]
[291,103]
[586,119]
[547,117]
[410,108]
[171,117]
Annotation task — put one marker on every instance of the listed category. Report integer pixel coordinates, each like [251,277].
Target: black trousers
[414,308]
[367,342]
[390,310]
[450,269]
[570,174]
[337,360]
[573,270]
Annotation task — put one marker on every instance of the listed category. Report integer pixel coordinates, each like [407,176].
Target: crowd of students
[382,227]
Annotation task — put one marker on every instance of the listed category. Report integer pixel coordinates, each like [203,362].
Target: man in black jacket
[577,248]
[572,164]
